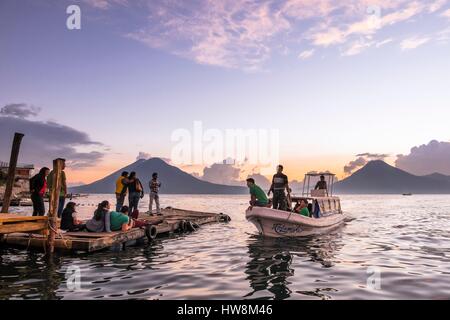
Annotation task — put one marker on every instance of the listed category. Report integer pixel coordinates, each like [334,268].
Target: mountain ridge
[173,180]
[378,177]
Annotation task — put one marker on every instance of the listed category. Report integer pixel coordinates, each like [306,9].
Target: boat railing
[308,191]
[327,205]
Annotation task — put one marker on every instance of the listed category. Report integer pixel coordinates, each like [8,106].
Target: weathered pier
[171,222]
[43,233]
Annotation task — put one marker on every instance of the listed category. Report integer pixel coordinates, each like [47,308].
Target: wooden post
[54,201]
[12,171]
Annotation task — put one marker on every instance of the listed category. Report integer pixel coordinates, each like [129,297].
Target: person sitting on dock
[101,221]
[69,219]
[120,221]
[154,185]
[136,223]
[135,191]
[38,188]
[321,184]
[258,197]
[121,190]
[302,208]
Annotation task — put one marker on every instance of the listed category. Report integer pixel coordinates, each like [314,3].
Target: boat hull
[275,223]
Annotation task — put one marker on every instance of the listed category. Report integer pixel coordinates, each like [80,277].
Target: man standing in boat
[279,184]
[321,184]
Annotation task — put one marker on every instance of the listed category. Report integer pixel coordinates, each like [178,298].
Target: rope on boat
[59,233]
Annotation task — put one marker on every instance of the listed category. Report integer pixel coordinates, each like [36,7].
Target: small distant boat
[77,195]
[21,199]
[277,223]
[407,194]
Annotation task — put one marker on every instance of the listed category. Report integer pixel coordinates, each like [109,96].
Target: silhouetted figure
[121,190]
[321,184]
[279,184]
[38,188]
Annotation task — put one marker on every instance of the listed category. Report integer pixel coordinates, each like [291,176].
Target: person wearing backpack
[38,188]
[135,191]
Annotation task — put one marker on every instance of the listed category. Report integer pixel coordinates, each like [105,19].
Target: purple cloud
[20,110]
[45,141]
[362,159]
[433,157]
[245,34]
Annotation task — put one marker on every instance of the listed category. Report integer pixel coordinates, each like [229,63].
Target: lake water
[396,248]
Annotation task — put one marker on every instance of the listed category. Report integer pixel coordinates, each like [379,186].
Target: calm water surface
[406,239]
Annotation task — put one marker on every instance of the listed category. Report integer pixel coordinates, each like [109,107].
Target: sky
[341,82]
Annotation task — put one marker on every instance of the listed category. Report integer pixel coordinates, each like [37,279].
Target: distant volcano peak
[378,177]
[173,180]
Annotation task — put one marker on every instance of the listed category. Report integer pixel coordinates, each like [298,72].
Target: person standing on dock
[279,184]
[154,185]
[38,188]
[121,190]
[63,191]
[135,191]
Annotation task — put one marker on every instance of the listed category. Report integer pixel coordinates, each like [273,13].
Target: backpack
[138,186]
[32,182]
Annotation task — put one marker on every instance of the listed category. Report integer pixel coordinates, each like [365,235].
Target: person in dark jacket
[38,188]
[321,184]
[69,219]
[135,191]
[279,184]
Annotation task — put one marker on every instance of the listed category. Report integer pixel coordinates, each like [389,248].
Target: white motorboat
[325,213]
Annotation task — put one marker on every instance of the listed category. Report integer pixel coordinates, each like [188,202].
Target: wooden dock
[172,221]
[10,223]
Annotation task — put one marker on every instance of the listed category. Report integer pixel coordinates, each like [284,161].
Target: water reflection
[35,275]
[226,261]
[270,266]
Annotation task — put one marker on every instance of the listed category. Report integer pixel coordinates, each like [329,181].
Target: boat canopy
[329,178]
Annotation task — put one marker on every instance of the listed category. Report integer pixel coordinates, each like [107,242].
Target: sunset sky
[340,80]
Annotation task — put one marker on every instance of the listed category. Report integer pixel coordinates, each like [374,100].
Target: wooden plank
[118,238]
[7,218]
[34,242]
[84,234]
[166,227]
[23,227]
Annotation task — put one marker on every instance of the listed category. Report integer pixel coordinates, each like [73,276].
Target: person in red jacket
[38,188]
